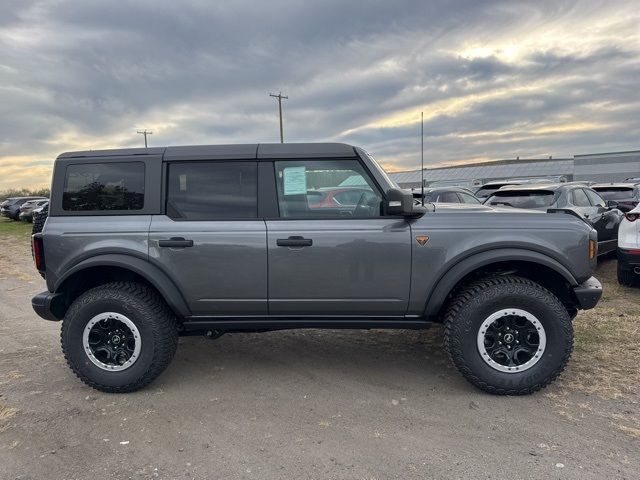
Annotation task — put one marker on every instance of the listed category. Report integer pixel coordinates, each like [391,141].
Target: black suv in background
[627,195]
[584,201]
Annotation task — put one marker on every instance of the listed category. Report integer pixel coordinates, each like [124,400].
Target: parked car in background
[446,195]
[585,202]
[626,194]
[27,208]
[488,188]
[11,206]
[629,248]
[632,180]
[336,198]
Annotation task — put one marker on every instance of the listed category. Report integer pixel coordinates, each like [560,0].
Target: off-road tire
[626,277]
[37,226]
[476,302]
[153,319]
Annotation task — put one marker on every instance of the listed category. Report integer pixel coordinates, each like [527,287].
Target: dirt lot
[314,404]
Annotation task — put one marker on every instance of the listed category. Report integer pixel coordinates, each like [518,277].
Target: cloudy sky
[494,79]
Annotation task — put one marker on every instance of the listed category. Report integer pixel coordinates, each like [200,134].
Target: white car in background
[629,248]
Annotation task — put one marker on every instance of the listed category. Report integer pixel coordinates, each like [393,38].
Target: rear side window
[213,190]
[466,198]
[524,199]
[596,200]
[580,198]
[448,197]
[104,186]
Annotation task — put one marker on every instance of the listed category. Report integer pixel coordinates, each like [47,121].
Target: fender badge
[422,240]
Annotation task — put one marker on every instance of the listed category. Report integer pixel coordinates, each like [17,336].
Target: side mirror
[400,202]
[611,204]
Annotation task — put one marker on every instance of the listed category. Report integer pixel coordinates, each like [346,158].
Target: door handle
[175,242]
[294,242]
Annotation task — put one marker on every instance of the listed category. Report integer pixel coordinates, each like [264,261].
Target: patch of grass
[11,227]
[607,342]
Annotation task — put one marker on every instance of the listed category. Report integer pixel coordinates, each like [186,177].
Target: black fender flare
[467,265]
[156,277]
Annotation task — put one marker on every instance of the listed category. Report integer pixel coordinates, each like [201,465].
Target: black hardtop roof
[237,151]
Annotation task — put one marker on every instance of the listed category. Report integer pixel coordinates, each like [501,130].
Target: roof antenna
[422,154]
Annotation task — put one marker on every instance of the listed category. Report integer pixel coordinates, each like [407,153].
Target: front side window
[104,186]
[212,190]
[326,189]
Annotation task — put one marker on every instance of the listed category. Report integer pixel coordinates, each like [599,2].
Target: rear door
[211,241]
[338,260]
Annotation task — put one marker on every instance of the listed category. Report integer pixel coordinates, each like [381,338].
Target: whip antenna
[422,154]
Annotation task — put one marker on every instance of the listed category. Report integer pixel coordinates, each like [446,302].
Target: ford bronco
[143,245]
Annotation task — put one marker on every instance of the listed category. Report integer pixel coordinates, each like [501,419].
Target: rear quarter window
[104,186]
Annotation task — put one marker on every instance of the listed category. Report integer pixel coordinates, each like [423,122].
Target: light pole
[279,96]
[145,133]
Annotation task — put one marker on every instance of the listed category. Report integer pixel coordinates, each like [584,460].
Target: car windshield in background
[617,193]
[524,199]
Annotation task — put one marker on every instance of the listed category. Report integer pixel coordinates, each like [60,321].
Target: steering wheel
[362,208]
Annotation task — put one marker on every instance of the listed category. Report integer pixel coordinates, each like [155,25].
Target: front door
[211,242]
[332,252]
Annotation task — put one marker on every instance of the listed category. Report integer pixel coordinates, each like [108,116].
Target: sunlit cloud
[494,79]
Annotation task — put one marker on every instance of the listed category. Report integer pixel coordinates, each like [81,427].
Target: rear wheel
[119,337]
[508,335]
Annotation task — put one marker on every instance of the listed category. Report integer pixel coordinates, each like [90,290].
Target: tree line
[24,192]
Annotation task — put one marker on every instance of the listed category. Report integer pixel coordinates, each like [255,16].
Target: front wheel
[119,337]
[508,335]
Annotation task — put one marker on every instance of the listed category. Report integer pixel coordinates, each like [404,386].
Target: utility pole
[145,133]
[279,96]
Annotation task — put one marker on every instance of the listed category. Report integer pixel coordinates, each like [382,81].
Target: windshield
[530,199]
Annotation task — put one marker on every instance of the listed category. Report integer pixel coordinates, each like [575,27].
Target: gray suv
[143,245]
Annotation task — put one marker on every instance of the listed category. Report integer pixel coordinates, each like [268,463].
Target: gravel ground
[306,404]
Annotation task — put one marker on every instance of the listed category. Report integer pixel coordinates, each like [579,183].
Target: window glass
[326,189]
[522,199]
[596,200]
[580,198]
[448,197]
[212,190]
[104,186]
[615,193]
[468,198]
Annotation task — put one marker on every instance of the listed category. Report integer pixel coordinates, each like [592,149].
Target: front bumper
[49,306]
[588,293]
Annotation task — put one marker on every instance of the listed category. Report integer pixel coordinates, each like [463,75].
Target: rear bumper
[588,293]
[628,259]
[48,305]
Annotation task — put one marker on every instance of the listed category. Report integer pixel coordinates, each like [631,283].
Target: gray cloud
[496,79]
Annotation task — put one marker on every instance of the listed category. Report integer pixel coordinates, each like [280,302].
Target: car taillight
[632,217]
[38,252]
[593,249]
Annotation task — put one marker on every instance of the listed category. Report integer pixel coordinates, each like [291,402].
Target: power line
[279,96]
[145,133]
